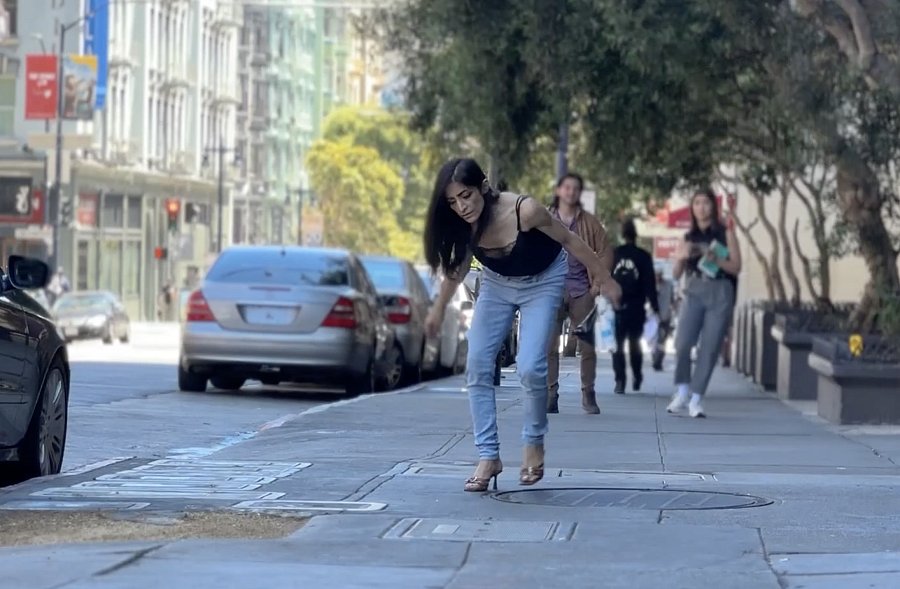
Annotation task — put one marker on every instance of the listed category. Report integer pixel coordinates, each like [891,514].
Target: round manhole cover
[656,499]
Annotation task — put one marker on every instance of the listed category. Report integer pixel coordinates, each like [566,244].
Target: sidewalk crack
[128,561]
[660,445]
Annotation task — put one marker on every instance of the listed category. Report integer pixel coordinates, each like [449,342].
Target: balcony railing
[229,14]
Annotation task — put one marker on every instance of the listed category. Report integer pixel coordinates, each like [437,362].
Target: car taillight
[342,314]
[399,311]
[198,308]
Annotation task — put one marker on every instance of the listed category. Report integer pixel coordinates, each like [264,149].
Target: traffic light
[161,253]
[66,212]
[173,207]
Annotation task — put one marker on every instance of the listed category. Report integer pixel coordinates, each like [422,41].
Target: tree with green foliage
[359,194]
[363,142]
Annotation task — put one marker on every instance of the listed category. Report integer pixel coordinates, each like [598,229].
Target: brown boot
[589,402]
[553,403]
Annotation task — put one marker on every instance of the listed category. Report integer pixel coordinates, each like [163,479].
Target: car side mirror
[27,273]
[467,306]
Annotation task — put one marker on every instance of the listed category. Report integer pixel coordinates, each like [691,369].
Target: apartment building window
[12,27]
[259,160]
[134,212]
[245,92]
[123,107]
[113,211]
[7,104]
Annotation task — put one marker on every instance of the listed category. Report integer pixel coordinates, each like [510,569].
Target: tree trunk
[789,270]
[861,205]
[775,256]
[757,252]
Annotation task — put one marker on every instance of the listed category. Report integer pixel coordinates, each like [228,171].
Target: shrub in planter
[857,388]
[794,332]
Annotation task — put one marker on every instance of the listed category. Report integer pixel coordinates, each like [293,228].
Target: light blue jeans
[537,298]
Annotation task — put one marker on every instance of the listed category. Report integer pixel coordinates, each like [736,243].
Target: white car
[451,347]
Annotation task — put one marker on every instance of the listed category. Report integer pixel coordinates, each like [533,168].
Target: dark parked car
[92,315]
[34,377]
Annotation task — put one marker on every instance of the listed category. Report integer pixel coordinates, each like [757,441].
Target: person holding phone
[708,300]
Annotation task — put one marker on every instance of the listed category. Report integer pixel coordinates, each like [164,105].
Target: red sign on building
[664,247]
[41,87]
[19,203]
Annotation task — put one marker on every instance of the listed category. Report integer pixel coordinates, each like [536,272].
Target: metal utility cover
[479,530]
[291,505]
[654,499]
[630,477]
[185,479]
[76,505]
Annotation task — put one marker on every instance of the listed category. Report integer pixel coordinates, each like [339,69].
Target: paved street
[758,496]
[124,402]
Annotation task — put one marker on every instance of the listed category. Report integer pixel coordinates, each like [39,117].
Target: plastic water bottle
[607,320]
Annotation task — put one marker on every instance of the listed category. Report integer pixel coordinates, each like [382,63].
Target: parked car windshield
[385,273]
[74,302]
[292,269]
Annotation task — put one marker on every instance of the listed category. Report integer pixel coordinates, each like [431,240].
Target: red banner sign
[664,247]
[41,87]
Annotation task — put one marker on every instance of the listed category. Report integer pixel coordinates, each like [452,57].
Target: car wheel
[190,382]
[227,383]
[362,384]
[391,369]
[45,441]
[108,338]
[127,337]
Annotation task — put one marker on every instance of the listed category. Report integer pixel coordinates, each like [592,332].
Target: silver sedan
[283,314]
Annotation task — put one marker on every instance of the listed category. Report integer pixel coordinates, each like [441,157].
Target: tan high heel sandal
[532,469]
[480,484]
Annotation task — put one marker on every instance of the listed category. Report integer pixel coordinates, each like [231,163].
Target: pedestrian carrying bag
[651,331]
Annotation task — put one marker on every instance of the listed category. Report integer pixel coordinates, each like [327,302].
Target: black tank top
[531,253]
[705,237]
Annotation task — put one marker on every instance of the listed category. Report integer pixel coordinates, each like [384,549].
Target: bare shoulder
[533,214]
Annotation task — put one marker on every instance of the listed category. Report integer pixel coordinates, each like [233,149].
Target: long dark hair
[715,222]
[563,178]
[448,237]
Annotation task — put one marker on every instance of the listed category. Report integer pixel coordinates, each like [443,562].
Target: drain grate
[184,479]
[479,530]
[655,499]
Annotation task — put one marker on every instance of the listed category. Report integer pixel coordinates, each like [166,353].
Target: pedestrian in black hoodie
[633,270]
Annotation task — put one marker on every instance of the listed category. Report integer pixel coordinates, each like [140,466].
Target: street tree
[359,194]
[406,152]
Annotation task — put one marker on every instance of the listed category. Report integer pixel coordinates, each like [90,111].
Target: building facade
[168,110]
[277,120]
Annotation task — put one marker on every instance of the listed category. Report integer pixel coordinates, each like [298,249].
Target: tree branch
[757,252]
[862,32]
[805,262]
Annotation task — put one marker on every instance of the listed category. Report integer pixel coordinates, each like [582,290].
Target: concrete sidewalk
[757,496]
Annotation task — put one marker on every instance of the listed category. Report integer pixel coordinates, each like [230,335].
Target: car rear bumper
[208,347]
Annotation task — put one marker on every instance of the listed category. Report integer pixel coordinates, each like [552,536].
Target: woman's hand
[434,321]
[683,251]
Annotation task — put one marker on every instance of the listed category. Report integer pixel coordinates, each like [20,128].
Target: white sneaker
[677,404]
[695,409]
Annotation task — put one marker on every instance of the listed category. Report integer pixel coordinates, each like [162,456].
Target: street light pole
[56,200]
[220,150]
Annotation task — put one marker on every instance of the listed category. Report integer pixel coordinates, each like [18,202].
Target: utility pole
[220,150]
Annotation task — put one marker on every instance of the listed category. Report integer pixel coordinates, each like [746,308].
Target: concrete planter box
[740,339]
[749,341]
[795,380]
[765,370]
[854,391]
